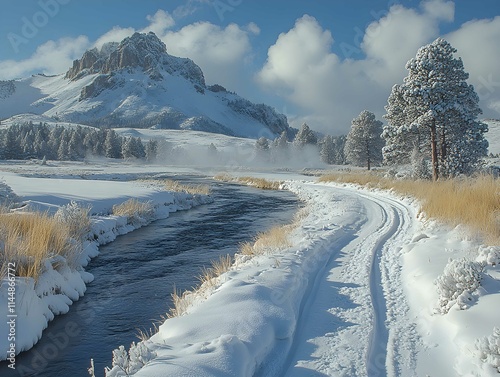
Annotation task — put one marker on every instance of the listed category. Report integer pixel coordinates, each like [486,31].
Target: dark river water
[135,275]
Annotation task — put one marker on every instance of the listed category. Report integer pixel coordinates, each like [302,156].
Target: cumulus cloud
[477,44]
[330,89]
[159,23]
[116,34]
[220,52]
[52,57]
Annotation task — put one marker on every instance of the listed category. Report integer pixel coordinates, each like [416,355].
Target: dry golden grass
[474,202]
[261,183]
[171,185]
[30,238]
[273,240]
[224,177]
[133,208]
[181,301]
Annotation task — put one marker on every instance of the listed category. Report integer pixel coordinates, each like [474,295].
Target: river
[135,275]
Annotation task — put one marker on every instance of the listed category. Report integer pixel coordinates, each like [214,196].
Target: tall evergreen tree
[436,106]
[328,153]
[112,144]
[364,144]
[305,136]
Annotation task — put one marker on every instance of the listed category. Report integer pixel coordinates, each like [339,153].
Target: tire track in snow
[366,272]
[387,296]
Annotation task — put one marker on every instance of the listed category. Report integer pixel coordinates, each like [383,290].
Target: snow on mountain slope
[138,84]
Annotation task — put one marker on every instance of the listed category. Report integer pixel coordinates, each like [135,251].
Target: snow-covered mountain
[136,83]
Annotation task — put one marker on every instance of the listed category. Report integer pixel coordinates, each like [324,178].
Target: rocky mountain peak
[139,51]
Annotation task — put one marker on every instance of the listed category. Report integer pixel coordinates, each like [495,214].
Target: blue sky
[319,61]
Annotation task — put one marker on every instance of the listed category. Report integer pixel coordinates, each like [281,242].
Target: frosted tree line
[305,144]
[65,143]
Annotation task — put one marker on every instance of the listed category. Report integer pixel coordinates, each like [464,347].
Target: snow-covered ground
[355,294]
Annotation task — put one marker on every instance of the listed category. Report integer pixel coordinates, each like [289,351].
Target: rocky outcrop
[265,114]
[145,52]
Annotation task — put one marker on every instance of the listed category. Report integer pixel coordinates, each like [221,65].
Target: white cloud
[220,52]
[441,10]
[159,23]
[302,67]
[253,28]
[52,57]
[116,34]
[477,44]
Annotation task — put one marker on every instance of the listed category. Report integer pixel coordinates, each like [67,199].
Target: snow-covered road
[354,322]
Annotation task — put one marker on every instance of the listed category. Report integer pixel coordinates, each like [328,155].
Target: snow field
[63,282]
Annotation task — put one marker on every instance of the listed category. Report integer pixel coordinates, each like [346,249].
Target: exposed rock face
[277,123]
[140,51]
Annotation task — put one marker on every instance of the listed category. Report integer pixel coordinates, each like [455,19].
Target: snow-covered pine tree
[11,145]
[262,145]
[328,153]
[262,149]
[339,145]
[305,136]
[112,144]
[364,144]
[151,150]
[281,141]
[436,103]
[127,148]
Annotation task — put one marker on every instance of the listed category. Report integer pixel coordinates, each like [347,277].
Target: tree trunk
[443,146]
[368,154]
[434,155]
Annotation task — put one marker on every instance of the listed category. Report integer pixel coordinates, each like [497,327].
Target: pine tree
[328,153]
[11,146]
[262,144]
[304,137]
[262,149]
[112,145]
[435,106]
[139,151]
[339,143]
[364,144]
[151,150]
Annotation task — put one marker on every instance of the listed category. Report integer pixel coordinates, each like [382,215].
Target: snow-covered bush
[7,197]
[489,255]
[76,218]
[127,364]
[489,349]
[461,277]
